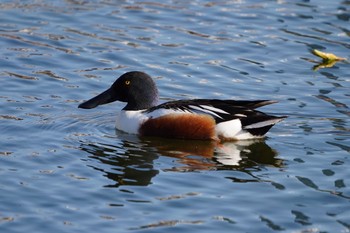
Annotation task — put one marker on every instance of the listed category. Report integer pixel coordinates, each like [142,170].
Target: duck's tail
[260,125]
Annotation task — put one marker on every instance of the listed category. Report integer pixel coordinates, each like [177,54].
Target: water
[65,169]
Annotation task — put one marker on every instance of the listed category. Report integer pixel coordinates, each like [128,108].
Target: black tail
[260,125]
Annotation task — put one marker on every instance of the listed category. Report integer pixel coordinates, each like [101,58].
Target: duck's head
[136,88]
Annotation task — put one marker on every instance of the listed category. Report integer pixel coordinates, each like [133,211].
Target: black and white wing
[225,112]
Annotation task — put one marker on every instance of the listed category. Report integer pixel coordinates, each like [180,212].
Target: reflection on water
[127,165]
[133,162]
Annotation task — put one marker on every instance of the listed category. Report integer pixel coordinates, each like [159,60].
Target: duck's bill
[103,98]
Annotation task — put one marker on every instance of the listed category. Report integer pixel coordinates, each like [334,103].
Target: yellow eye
[127,82]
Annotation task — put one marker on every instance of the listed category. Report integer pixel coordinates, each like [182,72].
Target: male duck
[204,119]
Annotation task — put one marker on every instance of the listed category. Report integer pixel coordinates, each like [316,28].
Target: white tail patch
[233,129]
[228,129]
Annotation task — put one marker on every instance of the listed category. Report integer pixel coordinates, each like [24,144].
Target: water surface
[65,169]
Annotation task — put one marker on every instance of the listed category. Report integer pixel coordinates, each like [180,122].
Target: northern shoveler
[204,119]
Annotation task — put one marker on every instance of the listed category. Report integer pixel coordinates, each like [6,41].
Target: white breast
[129,121]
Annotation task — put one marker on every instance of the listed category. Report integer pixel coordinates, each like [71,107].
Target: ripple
[56,53]
[166,223]
[21,76]
[8,117]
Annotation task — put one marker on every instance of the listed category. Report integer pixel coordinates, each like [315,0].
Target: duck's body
[205,119]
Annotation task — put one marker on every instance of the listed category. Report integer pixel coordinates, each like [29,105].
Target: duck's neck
[134,105]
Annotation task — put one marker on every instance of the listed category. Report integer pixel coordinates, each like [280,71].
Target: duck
[192,119]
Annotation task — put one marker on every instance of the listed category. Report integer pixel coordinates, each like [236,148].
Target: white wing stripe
[262,124]
[211,108]
[198,108]
[240,115]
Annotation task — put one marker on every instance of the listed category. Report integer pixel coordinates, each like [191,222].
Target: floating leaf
[327,56]
[328,59]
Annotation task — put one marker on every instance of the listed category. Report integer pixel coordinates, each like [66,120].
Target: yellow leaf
[327,56]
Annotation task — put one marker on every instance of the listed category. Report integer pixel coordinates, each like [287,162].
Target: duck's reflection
[125,164]
[132,161]
[204,155]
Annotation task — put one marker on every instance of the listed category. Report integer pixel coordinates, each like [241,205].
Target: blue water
[64,169]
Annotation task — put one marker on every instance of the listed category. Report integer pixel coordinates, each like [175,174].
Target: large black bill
[103,98]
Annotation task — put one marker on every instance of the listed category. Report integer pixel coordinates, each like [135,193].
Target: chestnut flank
[183,126]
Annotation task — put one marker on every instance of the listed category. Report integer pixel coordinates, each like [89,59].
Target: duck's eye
[127,82]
